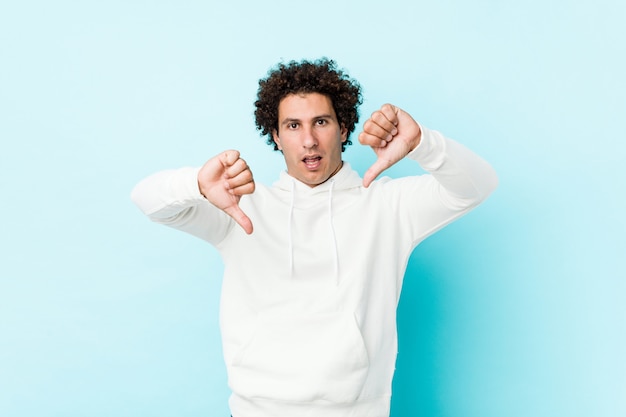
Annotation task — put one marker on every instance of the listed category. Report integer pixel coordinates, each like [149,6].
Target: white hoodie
[308,306]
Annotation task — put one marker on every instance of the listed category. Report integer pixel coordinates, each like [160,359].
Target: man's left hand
[392,134]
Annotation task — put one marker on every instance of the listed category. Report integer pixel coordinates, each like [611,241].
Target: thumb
[240,217]
[374,171]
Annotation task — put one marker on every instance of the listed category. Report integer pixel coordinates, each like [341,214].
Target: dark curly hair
[320,76]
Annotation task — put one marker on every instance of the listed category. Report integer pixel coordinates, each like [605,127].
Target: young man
[314,264]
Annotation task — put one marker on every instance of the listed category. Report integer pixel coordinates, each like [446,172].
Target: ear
[276,139]
[344,133]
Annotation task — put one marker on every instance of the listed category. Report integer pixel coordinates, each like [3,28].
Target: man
[314,264]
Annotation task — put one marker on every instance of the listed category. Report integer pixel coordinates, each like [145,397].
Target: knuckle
[376,116]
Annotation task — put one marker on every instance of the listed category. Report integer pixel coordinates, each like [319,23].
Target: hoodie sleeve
[466,178]
[172,198]
[458,181]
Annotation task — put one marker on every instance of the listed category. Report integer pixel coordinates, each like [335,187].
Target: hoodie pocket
[302,359]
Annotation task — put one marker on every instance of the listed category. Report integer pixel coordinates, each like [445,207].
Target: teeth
[311,162]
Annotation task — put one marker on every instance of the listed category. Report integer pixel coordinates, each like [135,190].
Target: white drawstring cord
[289,222]
[332,230]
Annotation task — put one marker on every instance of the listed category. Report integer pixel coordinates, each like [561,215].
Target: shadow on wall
[416,385]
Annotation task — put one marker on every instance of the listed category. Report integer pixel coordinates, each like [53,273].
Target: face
[310,137]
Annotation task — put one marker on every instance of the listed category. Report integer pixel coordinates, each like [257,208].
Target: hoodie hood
[344,179]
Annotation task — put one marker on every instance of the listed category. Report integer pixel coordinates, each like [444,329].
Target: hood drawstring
[289,223]
[332,229]
[330,223]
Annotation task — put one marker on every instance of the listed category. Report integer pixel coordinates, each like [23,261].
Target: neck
[330,176]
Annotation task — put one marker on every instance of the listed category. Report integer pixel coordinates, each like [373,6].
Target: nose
[309,140]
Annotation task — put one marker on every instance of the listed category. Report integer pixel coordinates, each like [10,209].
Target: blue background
[518,309]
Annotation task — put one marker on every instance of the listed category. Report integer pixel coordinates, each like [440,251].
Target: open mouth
[312,162]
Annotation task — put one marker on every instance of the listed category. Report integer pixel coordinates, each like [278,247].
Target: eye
[292,125]
[321,122]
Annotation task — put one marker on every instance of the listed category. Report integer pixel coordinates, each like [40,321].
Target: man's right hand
[223,180]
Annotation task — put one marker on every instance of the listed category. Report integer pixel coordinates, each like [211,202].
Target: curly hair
[320,76]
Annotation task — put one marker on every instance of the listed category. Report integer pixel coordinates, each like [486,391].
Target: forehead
[304,106]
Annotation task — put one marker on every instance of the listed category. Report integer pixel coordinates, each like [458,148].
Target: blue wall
[518,309]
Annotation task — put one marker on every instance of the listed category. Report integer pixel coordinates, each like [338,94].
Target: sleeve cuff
[430,152]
